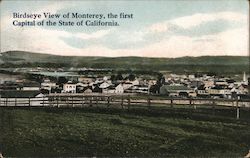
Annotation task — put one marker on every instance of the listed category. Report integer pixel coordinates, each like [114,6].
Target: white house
[38,100]
[221,83]
[208,83]
[135,82]
[119,89]
[110,89]
[191,76]
[127,85]
[104,85]
[69,87]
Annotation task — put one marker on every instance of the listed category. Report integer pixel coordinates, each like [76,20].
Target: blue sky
[170,28]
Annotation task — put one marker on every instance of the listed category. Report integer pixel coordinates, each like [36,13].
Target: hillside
[203,63]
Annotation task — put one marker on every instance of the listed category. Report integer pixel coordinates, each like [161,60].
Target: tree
[61,80]
[131,77]
[119,77]
[154,89]
[160,79]
[34,77]
[113,77]
[56,90]
[44,91]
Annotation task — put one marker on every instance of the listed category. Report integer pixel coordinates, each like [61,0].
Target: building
[87,90]
[104,85]
[69,87]
[85,79]
[30,86]
[126,85]
[243,89]
[175,90]
[23,98]
[220,91]
[119,89]
[48,85]
[202,92]
[110,89]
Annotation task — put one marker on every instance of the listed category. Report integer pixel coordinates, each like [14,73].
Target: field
[166,132]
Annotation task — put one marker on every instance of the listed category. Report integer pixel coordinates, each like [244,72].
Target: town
[87,81]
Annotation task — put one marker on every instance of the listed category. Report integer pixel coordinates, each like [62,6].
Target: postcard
[124,78]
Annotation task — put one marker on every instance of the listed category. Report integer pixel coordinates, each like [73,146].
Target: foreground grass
[112,132]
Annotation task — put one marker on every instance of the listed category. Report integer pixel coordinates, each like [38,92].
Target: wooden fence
[119,101]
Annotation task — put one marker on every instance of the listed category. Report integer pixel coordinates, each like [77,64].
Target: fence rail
[120,101]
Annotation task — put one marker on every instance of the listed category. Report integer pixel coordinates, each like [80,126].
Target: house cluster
[173,85]
[97,85]
[204,86]
[81,85]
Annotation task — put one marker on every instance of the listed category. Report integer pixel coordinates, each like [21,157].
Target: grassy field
[101,132]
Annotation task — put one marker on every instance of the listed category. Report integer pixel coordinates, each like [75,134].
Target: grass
[164,132]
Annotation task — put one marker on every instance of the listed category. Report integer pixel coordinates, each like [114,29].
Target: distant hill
[203,63]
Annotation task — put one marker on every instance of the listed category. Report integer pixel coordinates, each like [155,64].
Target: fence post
[128,102]
[108,101]
[43,102]
[6,102]
[90,101]
[96,100]
[122,102]
[15,101]
[29,101]
[213,106]
[82,100]
[171,102]
[149,102]
[237,110]
[192,102]
[57,102]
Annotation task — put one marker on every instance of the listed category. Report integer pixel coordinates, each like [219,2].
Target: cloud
[188,22]
[95,35]
[203,24]
[45,41]
[171,38]
[197,19]
[39,39]
[231,42]
[175,46]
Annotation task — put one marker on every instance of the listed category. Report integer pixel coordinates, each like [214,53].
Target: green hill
[198,64]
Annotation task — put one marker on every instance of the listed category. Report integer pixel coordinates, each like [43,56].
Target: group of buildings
[172,85]
[205,86]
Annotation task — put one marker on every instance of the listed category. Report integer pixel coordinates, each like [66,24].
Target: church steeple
[244,77]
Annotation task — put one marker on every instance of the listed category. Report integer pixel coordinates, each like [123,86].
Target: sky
[170,28]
